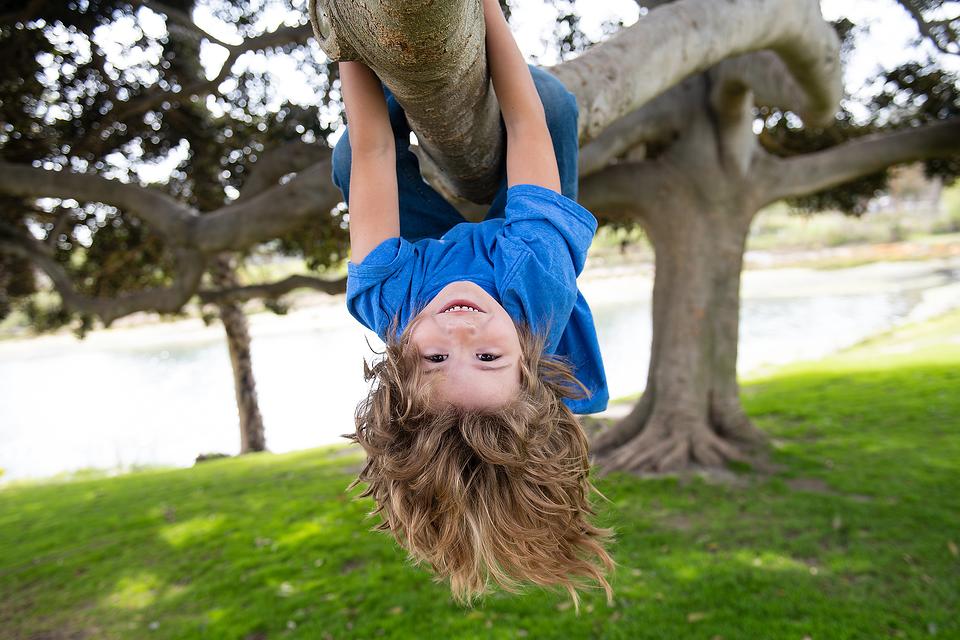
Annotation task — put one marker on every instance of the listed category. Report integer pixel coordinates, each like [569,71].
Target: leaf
[953,548]
[696,616]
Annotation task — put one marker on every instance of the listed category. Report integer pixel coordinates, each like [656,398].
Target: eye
[437,357]
[487,357]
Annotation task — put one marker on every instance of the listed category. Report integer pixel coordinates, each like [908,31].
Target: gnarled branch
[778,178]
[164,214]
[281,160]
[928,29]
[674,41]
[273,290]
[190,266]
[627,192]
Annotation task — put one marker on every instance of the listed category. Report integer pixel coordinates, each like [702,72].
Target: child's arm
[530,154]
[374,202]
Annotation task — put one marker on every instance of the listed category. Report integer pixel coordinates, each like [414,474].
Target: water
[163,394]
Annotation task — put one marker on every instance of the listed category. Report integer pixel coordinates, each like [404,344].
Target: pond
[161,394]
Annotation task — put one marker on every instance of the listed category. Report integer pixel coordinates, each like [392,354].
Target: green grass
[855,535]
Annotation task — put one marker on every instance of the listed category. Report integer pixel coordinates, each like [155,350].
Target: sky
[885,41]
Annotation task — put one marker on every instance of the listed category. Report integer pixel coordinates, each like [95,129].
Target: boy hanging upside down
[475,459]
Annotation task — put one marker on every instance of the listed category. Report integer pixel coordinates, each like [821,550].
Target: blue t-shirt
[528,261]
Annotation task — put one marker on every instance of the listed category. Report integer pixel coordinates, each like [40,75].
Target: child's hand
[374,202]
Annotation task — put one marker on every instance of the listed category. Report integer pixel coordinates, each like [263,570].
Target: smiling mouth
[461,306]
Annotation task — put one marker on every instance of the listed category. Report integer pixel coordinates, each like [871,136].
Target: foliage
[915,93]
[855,537]
[113,87]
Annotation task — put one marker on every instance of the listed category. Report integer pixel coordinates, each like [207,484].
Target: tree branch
[181,18]
[778,178]
[284,159]
[190,266]
[768,77]
[273,290]
[155,97]
[451,110]
[432,56]
[269,214]
[164,214]
[688,36]
[927,28]
[628,191]
[657,121]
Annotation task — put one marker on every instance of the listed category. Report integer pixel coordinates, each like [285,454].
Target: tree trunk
[690,412]
[252,436]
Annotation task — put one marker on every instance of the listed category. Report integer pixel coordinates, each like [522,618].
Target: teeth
[460,307]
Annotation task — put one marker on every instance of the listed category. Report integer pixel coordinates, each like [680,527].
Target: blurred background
[121,351]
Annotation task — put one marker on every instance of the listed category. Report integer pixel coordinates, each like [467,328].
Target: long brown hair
[496,496]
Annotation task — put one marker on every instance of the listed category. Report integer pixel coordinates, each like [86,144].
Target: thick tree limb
[768,77]
[284,159]
[688,36]
[269,214]
[164,214]
[628,192]
[432,56]
[190,267]
[763,72]
[657,121]
[273,290]
[778,178]
[265,211]
[450,110]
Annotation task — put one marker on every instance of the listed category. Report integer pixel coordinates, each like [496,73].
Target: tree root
[732,423]
[620,433]
[660,449]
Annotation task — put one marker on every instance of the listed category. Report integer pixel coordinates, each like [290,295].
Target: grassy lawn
[855,536]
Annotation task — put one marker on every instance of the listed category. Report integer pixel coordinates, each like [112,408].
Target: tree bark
[252,437]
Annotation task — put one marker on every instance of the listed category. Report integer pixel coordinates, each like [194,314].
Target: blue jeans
[423,212]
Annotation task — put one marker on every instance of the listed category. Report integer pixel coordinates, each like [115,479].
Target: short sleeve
[541,217]
[378,286]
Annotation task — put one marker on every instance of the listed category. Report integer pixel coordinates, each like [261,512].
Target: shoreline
[621,284]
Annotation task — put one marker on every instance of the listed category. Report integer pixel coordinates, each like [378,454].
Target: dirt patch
[816,485]
[352,565]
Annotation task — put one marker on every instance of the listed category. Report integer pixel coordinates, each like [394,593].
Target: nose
[465,324]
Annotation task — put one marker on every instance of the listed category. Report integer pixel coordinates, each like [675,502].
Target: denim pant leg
[423,212]
[560,108]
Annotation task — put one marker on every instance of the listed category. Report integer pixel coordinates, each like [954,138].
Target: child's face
[468,339]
